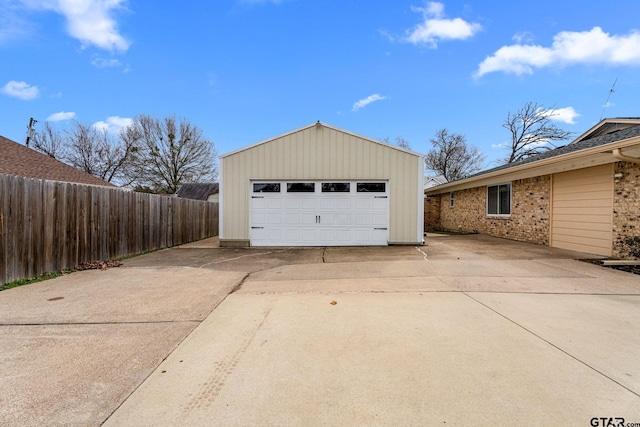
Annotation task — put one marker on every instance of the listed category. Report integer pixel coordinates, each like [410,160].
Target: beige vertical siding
[582,213]
[322,153]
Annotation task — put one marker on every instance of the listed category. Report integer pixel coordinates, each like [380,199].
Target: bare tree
[49,141]
[402,143]
[92,150]
[170,152]
[532,131]
[99,153]
[452,157]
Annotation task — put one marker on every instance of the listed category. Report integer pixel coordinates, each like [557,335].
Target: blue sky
[248,70]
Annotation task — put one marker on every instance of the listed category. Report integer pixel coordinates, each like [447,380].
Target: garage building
[321,186]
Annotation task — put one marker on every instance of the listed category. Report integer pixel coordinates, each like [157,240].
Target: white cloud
[568,48]
[90,21]
[565,115]
[20,90]
[100,62]
[436,27]
[366,101]
[113,124]
[523,37]
[12,23]
[61,116]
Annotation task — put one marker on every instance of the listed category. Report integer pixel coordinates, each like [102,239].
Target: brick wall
[432,213]
[529,219]
[626,206]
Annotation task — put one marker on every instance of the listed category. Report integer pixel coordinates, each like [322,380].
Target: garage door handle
[380,197]
[257,197]
[258,227]
[317,219]
[384,228]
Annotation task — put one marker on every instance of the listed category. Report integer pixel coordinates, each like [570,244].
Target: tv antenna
[30,130]
[606,104]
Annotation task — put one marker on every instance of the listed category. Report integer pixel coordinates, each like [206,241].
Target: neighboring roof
[16,159]
[608,125]
[440,179]
[197,190]
[625,129]
[321,124]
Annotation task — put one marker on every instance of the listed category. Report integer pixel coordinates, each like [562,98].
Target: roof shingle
[16,159]
[618,135]
[197,190]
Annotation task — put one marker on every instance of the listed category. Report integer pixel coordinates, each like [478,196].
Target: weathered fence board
[50,226]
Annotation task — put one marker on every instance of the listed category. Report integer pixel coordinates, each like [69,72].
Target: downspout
[617,153]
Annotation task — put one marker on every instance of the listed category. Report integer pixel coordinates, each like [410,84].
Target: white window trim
[452,199]
[498,215]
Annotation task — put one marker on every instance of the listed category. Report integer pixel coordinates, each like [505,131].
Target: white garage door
[326,213]
[582,217]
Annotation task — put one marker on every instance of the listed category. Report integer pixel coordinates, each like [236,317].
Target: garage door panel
[319,219]
[586,194]
[379,203]
[585,176]
[585,241]
[567,233]
[599,186]
[572,225]
[273,203]
[362,204]
[337,219]
[378,220]
[328,203]
[582,210]
[578,247]
[579,204]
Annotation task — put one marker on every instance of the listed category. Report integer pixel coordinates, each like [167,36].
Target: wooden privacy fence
[49,226]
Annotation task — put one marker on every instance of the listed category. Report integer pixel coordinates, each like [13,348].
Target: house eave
[594,156]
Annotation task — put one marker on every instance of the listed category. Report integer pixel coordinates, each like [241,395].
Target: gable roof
[437,180]
[16,159]
[322,124]
[197,190]
[607,126]
[592,148]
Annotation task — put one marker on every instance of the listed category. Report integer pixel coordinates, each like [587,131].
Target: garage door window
[499,199]
[336,187]
[266,187]
[371,187]
[301,187]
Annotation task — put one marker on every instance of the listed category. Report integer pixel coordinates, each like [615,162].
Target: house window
[266,187]
[335,187]
[371,187]
[499,199]
[452,197]
[301,187]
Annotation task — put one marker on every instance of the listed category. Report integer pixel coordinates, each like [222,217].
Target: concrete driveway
[465,330]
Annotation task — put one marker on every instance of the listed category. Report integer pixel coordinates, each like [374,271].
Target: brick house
[584,196]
